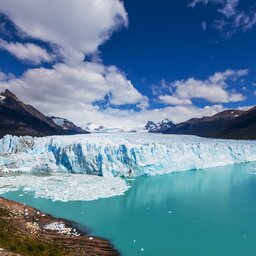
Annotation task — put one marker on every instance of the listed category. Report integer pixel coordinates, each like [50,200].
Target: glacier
[121,154]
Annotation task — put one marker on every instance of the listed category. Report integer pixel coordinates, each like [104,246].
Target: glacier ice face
[111,155]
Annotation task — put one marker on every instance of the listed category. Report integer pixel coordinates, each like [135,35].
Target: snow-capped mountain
[18,118]
[228,124]
[159,127]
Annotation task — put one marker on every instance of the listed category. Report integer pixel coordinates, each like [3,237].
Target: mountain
[68,127]
[243,127]
[17,118]
[229,124]
[159,127]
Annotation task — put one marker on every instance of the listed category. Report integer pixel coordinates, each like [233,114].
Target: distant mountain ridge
[159,127]
[228,124]
[17,118]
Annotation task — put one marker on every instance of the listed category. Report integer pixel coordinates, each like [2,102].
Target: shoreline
[28,231]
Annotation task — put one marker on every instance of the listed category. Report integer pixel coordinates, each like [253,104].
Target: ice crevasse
[120,154]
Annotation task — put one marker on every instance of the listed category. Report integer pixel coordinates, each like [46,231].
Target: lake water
[206,212]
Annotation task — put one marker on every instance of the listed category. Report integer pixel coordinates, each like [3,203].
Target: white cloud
[172,100]
[214,89]
[27,52]
[139,119]
[77,27]
[204,25]
[118,82]
[163,88]
[232,19]
[230,8]
[245,108]
[66,87]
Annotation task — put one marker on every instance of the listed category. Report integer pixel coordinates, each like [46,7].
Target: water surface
[208,212]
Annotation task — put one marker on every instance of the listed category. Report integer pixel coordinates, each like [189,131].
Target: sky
[123,63]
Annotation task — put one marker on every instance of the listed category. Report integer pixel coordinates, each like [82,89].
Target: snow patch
[59,121]
[2,98]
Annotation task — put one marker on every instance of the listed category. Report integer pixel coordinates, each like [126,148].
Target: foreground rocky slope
[29,232]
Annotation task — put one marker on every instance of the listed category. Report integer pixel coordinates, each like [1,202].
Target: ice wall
[117,154]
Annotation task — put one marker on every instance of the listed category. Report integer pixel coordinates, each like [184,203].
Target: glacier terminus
[120,154]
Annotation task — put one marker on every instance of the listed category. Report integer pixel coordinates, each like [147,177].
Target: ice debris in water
[120,154]
[65,187]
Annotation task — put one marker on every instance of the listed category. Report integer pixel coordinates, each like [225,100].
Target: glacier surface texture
[123,154]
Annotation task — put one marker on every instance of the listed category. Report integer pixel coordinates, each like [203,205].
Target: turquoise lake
[205,212]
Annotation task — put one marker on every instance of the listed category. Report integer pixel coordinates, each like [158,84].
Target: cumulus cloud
[77,27]
[172,100]
[214,89]
[232,19]
[27,52]
[177,114]
[122,90]
[64,87]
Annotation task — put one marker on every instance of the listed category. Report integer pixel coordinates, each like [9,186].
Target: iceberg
[121,154]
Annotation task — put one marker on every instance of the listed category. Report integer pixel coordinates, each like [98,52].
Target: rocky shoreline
[27,231]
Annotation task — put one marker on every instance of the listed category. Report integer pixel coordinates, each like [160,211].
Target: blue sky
[124,63]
